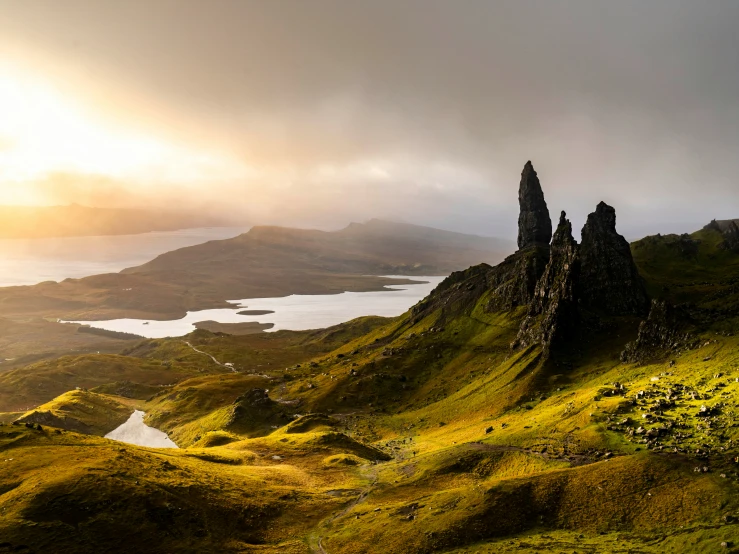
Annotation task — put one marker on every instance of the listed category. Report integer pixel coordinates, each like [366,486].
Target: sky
[324,112]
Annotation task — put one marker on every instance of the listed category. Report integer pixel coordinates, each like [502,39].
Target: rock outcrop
[534,223]
[254,411]
[513,282]
[560,284]
[553,312]
[663,332]
[611,283]
[731,237]
[729,229]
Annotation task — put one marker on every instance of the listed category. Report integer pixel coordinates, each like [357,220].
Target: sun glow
[44,132]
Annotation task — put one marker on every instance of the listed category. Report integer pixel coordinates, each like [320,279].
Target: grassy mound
[81,411]
[100,491]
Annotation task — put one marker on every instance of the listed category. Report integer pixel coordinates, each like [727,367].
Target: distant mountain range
[75,220]
[376,247]
[265,262]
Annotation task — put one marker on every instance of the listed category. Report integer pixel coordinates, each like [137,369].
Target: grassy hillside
[144,367]
[23,342]
[154,501]
[424,433]
[688,268]
[27,387]
[82,411]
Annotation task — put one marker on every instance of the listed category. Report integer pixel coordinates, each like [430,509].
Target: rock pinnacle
[534,223]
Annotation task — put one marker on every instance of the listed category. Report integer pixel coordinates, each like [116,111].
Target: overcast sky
[317,113]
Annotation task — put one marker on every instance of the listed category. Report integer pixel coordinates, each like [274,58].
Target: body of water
[296,312]
[31,261]
[135,431]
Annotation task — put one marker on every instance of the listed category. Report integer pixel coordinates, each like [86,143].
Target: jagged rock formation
[611,283]
[513,282]
[730,231]
[553,313]
[731,237]
[554,281]
[662,332]
[456,294]
[534,223]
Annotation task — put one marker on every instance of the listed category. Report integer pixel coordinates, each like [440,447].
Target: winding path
[210,356]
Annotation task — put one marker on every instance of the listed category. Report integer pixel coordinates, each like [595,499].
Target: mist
[328,112]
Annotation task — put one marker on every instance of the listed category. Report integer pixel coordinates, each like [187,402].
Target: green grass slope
[424,433]
[82,411]
[24,388]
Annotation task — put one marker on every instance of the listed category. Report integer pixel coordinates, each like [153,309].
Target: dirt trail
[211,357]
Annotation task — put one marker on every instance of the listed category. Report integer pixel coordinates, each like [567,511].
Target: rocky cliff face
[553,312]
[663,332]
[534,223]
[611,283]
[730,232]
[555,282]
[731,237]
[513,282]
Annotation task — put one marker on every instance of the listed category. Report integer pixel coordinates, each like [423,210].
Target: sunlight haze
[318,114]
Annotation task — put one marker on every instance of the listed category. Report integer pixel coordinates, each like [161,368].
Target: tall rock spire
[553,313]
[534,223]
[610,281]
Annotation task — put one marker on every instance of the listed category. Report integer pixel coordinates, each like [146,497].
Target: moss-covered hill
[425,433]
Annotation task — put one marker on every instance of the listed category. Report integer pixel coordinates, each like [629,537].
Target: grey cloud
[635,103]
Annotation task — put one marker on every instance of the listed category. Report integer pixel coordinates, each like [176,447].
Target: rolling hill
[575,397]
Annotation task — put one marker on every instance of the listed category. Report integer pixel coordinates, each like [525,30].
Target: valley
[263,263]
[574,397]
